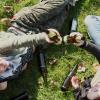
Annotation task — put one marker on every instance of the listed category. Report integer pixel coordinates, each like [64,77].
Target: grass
[31,79]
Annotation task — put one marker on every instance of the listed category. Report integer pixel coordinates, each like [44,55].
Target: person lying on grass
[28,28]
[13,62]
[90,89]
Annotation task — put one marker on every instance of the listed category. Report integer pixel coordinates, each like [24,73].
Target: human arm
[92,48]
[3,65]
[14,41]
[10,41]
[78,40]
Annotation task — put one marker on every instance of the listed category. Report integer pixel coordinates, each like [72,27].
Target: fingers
[56,39]
[2,69]
[78,36]
[60,41]
[76,33]
[57,43]
[74,37]
[47,39]
[55,31]
[3,65]
[3,62]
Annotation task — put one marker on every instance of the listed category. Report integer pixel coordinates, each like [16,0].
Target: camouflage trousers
[45,14]
[57,21]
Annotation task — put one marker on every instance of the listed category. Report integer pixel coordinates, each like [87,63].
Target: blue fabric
[93,26]
[17,58]
[16,64]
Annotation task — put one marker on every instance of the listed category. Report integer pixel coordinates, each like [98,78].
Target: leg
[57,21]
[39,14]
[93,27]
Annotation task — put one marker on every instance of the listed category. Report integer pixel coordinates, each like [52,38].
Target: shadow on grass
[73,12]
[27,81]
[61,52]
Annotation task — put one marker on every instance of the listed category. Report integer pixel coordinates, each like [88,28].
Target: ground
[66,56]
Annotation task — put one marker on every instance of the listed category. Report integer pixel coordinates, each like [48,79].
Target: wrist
[83,44]
[65,39]
[40,38]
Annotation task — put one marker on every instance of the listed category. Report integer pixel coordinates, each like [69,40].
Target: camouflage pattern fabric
[47,14]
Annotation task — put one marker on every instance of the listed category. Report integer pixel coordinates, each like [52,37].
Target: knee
[88,19]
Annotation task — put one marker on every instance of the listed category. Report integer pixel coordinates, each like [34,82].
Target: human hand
[75,38]
[3,65]
[75,82]
[53,37]
[94,92]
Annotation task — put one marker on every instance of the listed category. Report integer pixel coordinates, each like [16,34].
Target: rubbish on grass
[81,68]
[52,61]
